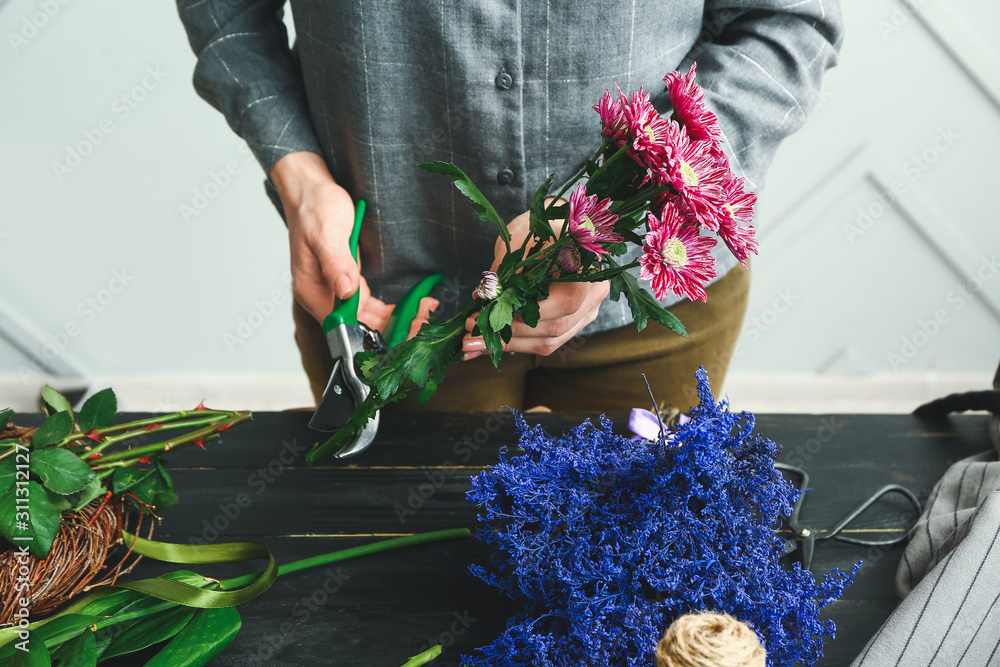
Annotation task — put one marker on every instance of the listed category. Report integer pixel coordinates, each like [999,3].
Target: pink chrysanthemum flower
[698,176]
[689,107]
[569,259]
[738,209]
[676,258]
[647,128]
[613,123]
[590,222]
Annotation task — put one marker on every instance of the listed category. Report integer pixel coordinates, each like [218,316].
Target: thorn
[93,435]
[144,459]
[199,443]
[201,406]
[150,427]
[94,455]
[225,427]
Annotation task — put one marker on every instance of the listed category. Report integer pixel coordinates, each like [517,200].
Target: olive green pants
[599,372]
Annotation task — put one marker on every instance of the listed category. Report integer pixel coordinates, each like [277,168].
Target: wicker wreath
[87,553]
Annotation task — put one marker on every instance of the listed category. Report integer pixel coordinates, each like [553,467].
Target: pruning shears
[347,337]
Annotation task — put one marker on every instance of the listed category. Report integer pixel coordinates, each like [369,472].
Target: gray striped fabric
[950,616]
[502,88]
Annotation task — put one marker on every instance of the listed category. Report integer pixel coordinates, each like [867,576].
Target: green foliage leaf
[494,347]
[41,525]
[152,491]
[7,475]
[37,655]
[537,221]
[83,497]
[480,203]
[207,635]
[53,429]
[60,502]
[99,410]
[55,402]
[5,416]
[642,304]
[502,313]
[124,479]
[61,471]
[81,651]
[161,470]
[529,312]
[149,630]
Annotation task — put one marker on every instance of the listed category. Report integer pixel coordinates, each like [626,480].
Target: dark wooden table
[379,610]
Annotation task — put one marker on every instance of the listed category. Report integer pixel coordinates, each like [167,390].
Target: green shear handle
[346,312]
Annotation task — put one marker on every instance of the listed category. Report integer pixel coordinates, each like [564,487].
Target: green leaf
[207,635]
[53,429]
[494,347]
[642,304]
[60,502]
[41,524]
[36,656]
[81,651]
[7,475]
[537,222]
[124,479]
[150,630]
[152,491]
[480,203]
[529,312]
[83,497]
[502,313]
[5,416]
[55,402]
[161,469]
[64,628]
[61,471]
[99,410]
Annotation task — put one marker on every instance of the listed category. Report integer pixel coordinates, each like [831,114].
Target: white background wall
[104,273]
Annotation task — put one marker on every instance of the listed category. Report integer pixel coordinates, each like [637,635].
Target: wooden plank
[254,484]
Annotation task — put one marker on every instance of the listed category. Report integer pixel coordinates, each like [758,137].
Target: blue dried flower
[606,540]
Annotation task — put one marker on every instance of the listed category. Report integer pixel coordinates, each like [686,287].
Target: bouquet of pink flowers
[655,182]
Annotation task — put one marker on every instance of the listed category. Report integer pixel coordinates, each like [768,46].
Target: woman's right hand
[320,217]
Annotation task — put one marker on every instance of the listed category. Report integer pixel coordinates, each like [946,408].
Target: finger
[470,321]
[372,311]
[544,346]
[342,273]
[309,287]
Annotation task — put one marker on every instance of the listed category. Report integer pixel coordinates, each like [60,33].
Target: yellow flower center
[588,224]
[729,208]
[674,253]
[650,134]
[688,174]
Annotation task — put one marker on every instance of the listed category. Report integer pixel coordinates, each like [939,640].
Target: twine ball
[709,639]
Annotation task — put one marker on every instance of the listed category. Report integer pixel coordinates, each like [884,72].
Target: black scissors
[804,538]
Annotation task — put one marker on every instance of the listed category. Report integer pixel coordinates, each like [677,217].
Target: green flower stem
[163,419]
[170,426]
[427,656]
[594,277]
[126,463]
[365,410]
[354,552]
[579,175]
[186,439]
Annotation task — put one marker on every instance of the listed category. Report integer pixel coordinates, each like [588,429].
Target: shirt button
[505,177]
[504,80]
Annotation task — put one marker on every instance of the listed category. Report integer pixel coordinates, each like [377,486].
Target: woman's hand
[567,310]
[320,216]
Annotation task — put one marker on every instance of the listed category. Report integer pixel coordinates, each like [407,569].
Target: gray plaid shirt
[502,88]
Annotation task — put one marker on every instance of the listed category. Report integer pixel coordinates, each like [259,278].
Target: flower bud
[489,287]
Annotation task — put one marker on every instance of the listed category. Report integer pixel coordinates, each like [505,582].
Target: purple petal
[644,424]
